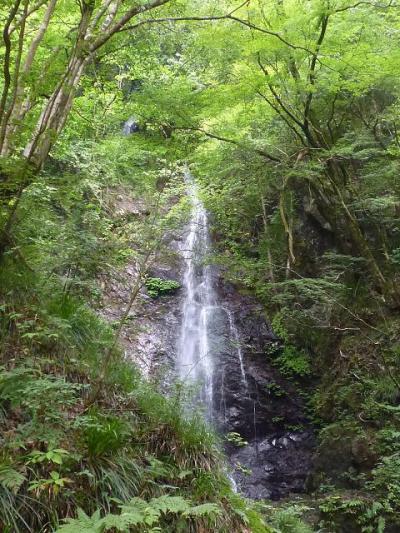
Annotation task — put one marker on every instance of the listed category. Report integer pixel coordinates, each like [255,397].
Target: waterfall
[194,358]
[130,126]
[228,381]
[208,328]
[237,346]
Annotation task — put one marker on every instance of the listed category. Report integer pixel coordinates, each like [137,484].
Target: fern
[10,478]
[123,521]
[170,504]
[138,512]
[209,510]
[83,523]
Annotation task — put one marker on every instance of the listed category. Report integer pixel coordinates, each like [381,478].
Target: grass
[132,442]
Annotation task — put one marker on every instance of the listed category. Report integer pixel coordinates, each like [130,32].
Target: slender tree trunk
[17,109]
[16,75]
[266,232]
[54,115]
[55,112]
[7,58]
[289,232]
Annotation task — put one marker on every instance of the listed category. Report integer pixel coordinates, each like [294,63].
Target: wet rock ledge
[266,411]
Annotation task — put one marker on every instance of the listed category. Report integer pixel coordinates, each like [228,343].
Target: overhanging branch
[259,151]
[229,16]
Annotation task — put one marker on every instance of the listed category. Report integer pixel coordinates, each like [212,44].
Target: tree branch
[117,26]
[279,100]
[380,6]
[282,116]
[312,75]
[229,16]
[26,15]
[259,151]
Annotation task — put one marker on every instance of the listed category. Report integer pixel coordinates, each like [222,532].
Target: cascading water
[130,126]
[209,340]
[194,357]
[215,339]
[234,393]
[208,329]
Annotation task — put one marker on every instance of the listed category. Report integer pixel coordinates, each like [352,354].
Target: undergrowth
[131,460]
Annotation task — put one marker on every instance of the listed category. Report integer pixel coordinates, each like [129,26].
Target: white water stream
[197,340]
[194,360]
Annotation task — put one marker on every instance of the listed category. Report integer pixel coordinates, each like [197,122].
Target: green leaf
[83,523]
[205,509]
[170,504]
[10,478]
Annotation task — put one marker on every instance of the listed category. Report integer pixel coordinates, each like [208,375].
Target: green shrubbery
[288,518]
[130,459]
[55,456]
[158,287]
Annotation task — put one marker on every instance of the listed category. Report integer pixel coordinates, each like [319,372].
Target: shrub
[293,362]
[289,519]
[158,287]
[104,435]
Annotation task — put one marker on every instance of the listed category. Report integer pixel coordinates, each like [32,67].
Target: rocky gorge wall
[273,455]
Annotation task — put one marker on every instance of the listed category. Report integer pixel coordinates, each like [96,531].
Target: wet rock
[276,460]
[250,397]
[259,492]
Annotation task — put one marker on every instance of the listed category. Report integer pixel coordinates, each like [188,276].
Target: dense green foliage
[81,432]
[157,286]
[288,114]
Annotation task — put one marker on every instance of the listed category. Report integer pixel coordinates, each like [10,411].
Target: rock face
[265,411]
[272,453]
[149,335]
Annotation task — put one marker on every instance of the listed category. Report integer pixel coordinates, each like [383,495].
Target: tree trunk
[266,232]
[54,115]
[7,58]
[288,230]
[16,112]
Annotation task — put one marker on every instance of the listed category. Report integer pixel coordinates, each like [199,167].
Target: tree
[302,72]
[90,27]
